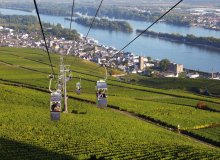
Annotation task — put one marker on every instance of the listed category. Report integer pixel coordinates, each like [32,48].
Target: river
[192,57]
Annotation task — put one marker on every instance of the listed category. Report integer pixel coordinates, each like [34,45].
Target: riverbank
[207,42]
[188,55]
[18,9]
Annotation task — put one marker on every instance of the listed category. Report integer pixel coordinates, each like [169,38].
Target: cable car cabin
[101,93]
[55,105]
[78,88]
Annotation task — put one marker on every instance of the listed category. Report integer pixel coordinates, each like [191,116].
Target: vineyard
[87,132]
[176,83]
[210,133]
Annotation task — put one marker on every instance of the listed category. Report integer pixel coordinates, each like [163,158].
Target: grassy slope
[213,86]
[212,133]
[98,132]
[156,103]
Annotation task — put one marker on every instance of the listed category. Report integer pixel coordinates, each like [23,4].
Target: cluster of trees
[124,13]
[20,22]
[59,31]
[44,8]
[118,13]
[192,39]
[18,19]
[29,24]
[164,64]
[178,19]
[105,24]
[55,11]
[64,9]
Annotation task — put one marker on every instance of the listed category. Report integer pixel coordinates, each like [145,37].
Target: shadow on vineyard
[16,150]
[94,157]
[78,112]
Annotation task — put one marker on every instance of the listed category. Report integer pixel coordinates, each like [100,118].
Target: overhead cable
[91,25]
[42,30]
[150,26]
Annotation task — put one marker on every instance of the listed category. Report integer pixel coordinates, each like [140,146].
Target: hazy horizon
[207,3]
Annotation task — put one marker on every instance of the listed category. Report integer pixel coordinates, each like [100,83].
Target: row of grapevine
[98,133]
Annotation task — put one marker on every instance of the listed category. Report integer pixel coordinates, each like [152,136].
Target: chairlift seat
[55,116]
[78,91]
[102,102]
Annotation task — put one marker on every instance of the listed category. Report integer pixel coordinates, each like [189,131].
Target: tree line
[105,24]
[111,12]
[29,24]
[124,13]
[192,39]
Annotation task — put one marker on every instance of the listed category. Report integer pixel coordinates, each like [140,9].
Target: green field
[210,133]
[26,131]
[193,85]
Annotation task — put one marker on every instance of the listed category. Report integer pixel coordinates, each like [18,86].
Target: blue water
[192,57]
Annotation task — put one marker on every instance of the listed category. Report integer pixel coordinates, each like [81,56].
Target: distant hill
[125,2]
[202,2]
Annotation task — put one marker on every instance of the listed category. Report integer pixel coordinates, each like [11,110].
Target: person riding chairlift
[78,89]
[101,94]
[55,107]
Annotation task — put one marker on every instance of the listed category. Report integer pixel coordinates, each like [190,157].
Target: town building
[193,75]
[175,68]
[141,62]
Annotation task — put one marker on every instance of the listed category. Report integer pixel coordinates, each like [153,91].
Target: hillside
[197,86]
[26,131]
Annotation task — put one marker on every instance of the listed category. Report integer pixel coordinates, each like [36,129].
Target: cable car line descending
[150,26]
[78,84]
[42,30]
[101,85]
[56,95]
[91,25]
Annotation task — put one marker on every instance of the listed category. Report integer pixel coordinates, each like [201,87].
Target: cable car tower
[102,92]
[63,78]
[56,96]
[64,70]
